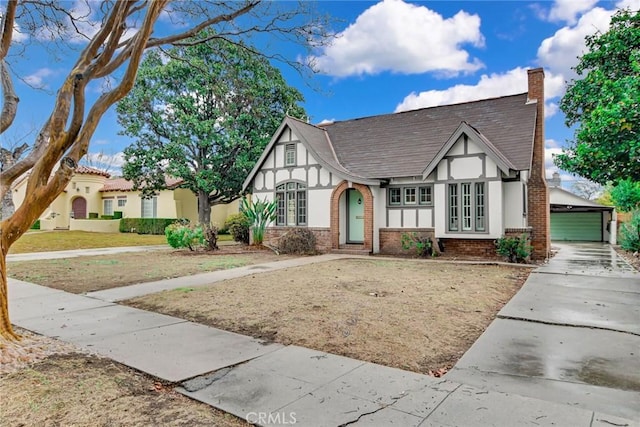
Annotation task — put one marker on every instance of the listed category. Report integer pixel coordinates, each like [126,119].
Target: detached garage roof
[563,200]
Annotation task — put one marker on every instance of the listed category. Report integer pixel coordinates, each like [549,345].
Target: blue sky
[396,55]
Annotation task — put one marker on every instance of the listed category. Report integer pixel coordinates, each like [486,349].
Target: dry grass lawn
[47,241]
[83,390]
[86,274]
[413,315]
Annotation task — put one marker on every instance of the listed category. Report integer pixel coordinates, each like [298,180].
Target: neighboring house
[577,219]
[465,174]
[93,191]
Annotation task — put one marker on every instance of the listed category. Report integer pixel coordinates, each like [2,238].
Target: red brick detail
[391,239]
[323,236]
[538,191]
[368,213]
[517,232]
[485,248]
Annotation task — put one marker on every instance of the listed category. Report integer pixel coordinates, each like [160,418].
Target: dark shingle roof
[403,144]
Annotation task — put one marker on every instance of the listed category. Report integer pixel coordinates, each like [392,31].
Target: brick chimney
[538,192]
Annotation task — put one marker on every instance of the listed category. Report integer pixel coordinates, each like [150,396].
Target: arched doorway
[79,208]
[352,211]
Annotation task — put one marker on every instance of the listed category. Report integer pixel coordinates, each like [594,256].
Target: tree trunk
[204,208]
[8,208]
[6,330]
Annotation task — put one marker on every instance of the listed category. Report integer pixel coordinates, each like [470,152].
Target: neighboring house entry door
[79,208]
[355,215]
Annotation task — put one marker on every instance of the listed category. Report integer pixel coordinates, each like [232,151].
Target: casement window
[122,201]
[425,195]
[149,207]
[107,206]
[395,196]
[467,207]
[290,155]
[408,196]
[292,204]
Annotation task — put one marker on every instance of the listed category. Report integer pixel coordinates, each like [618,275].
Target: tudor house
[465,174]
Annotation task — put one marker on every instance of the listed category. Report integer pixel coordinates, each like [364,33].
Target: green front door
[577,226]
[355,213]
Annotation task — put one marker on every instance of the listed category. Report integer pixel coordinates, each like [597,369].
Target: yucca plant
[260,213]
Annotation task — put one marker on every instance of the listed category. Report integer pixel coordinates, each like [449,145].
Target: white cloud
[37,79]
[549,153]
[560,52]
[399,37]
[630,4]
[489,86]
[568,10]
[326,122]
[551,143]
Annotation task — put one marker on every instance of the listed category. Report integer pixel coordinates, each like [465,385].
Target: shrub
[300,241]
[238,225]
[260,213]
[184,236]
[117,214]
[106,217]
[36,225]
[422,244]
[147,225]
[630,233]
[93,215]
[515,249]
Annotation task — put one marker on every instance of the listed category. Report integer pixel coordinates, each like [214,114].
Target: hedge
[145,225]
[36,225]
[93,215]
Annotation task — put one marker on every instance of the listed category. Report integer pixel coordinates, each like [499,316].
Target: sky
[396,55]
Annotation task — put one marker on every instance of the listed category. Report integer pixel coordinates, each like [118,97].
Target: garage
[574,218]
[577,226]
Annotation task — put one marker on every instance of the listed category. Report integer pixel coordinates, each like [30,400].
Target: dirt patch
[80,389]
[87,274]
[632,258]
[414,315]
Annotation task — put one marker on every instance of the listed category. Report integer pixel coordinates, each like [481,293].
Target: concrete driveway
[570,335]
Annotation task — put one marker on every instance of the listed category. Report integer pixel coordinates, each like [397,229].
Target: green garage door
[579,226]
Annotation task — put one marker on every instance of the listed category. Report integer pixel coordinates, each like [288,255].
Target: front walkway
[275,384]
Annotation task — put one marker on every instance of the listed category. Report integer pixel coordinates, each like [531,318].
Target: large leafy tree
[106,41]
[203,113]
[604,104]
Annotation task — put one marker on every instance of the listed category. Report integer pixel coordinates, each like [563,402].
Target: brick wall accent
[517,232]
[538,192]
[323,236]
[391,239]
[368,213]
[470,247]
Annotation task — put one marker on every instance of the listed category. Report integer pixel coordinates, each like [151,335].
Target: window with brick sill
[466,207]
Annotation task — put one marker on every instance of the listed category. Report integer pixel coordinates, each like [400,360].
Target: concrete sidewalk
[37,256]
[270,384]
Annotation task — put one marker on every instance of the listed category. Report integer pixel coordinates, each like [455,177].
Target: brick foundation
[323,236]
[485,248]
[391,239]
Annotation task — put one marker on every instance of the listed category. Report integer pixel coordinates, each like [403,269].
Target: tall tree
[108,39]
[203,113]
[605,105]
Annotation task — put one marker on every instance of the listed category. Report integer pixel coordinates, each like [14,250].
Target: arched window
[292,204]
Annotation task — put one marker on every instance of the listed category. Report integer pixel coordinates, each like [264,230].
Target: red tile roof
[92,171]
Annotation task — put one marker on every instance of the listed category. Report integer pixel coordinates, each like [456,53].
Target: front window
[149,207]
[394,196]
[426,195]
[467,207]
[291,204]
[410,196]
[122,202]
[107,206]
[290,155]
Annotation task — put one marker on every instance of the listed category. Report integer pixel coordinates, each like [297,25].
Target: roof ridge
[425,108]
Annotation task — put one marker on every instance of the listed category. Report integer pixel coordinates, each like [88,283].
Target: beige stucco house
[94,191]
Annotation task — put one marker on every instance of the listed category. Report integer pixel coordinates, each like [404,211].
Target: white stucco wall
[466,167]
[318,210]
[513,204]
